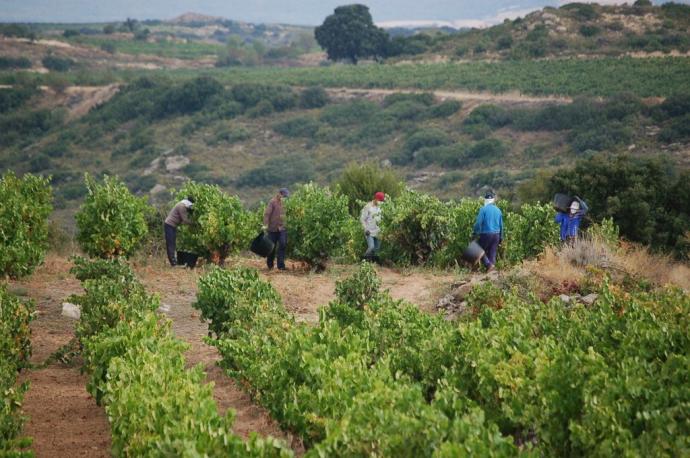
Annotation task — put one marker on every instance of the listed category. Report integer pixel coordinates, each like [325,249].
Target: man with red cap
[370,219]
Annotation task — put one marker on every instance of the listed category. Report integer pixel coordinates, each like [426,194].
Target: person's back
[178,215]
[489,220]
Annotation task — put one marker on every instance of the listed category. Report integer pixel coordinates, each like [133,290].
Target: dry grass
[568,263]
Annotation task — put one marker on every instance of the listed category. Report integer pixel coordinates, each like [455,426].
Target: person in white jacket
[370,218]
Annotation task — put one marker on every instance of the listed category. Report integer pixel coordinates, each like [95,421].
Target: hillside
[573,30]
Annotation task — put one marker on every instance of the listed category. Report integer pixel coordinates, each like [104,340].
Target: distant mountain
[195,18]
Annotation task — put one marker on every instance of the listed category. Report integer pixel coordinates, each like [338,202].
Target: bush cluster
[366,380]
[26,206]
[136,366]
[111,222]
[15,350]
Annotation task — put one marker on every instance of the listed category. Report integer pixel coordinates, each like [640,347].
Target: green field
[177,50]
[651,77]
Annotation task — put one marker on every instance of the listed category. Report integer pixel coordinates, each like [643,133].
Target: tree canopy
[350,33]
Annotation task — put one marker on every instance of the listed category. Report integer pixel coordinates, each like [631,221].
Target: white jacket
[370,219]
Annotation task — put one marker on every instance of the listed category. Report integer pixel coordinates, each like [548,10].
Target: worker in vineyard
[274,225]
[180,214]
[370,219]
[489,228]
[570,222]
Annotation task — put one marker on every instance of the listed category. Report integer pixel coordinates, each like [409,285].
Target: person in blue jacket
[489,228]
[570,222]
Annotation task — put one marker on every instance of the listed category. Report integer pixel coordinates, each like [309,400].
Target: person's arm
[363,216]
[478,222]
[267,213]
[583,206]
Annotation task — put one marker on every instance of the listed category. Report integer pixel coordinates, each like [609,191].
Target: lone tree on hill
[350,33]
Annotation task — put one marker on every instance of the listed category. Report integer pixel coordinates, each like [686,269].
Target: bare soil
[65,421]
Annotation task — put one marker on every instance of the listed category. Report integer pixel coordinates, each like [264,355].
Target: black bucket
[187,259]
[262,245]
[473,253]
[561,202]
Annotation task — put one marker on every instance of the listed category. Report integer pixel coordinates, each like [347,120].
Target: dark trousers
[170,242]
[489,242]
[280,240]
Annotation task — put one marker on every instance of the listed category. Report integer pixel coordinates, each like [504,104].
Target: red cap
[380,196]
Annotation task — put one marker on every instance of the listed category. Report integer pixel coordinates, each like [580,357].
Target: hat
[284,192]
[380,196]
[490,195]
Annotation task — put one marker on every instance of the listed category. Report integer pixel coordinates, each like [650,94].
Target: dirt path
[64,420]
[503,97]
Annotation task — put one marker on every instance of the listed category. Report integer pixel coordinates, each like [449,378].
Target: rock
[159,188]
[164,308]
[589,299]
[386,163]
[155,164]
[562,29]
[71,310]
[175,163]
[565,298]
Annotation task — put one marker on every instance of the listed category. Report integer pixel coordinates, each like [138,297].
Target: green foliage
[491,115]
[638,194]
[96,269]
[313,97]
[302,126]
[462,216]
[350,33]
[414,227]
[528,232]
[15,350]
[14,63]
[315,221]
[444,109]
[111,222]
[251,94]
[11,99]
[359,182]
[26,205]
[57,64]
[421,139]
[357,111]
[156,406]
[230,298]
[360,289]
[220,225]
[606,231]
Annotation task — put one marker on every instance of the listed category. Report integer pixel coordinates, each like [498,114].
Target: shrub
[95,269]
[313,97]
[676,105]
[13,98]
[491,115]
[303,126]
[413,227]
[278,171]
[220,225]
[358,111]
[359,182]
[528,232]
[229,298]
[677,130]
[461,218]
[315,221]
[26,205]
[444,109]
[405,110]
[57,64]
[15,350]
[263,108]
[8,63]
[419,140]
[587,30]
[189,97]
[250,94]
[378,130]
[486,150]
[447,155]
[232,135]
[111,221]
[504,42]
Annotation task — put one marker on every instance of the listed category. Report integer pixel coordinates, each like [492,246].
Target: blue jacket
[489,221]
[569,224]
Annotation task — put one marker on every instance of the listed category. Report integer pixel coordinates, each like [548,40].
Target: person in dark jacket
[180,214]
[570,222]
[274,225]
[489,228]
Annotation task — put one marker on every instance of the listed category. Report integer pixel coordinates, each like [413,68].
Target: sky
[456,13]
